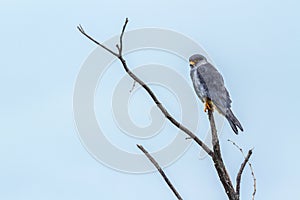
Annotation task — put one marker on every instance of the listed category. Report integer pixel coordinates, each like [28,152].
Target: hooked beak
[192,63]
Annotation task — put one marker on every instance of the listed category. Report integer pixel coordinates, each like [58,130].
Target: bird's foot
[207,106]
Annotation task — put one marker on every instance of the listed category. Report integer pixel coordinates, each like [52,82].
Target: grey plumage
[209,86]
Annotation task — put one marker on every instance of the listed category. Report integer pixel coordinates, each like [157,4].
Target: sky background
[255,44]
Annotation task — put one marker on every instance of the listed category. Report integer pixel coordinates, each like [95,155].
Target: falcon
[209,86]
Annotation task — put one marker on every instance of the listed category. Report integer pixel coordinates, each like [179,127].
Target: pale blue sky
[255,45]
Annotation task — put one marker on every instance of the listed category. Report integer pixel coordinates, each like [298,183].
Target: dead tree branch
[159,169]
[218,161]
[79,27]
[149,91]
[239,175]
[254,180]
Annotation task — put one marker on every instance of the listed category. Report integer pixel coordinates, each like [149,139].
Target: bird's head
[197,59]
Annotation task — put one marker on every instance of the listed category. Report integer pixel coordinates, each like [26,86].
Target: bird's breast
[198,84]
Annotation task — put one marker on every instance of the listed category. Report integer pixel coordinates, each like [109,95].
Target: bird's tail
[233,121]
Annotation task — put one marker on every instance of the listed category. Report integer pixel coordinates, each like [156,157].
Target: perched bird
[209,86]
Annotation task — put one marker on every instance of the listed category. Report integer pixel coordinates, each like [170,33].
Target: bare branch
[117,45]
[218,161]
[254,180]
[239,175]
[149,91]
[133,86]
[79,27]
[121,37]
[162,173]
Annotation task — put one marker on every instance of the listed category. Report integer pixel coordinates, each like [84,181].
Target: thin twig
[133,86]
[159,169]
[218,161]
[121,37]
[79,27]
[149,91]
[254,180]
[239,175]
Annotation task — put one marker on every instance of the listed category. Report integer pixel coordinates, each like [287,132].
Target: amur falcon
[209,86]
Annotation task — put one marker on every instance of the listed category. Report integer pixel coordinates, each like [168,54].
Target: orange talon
[207,106]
